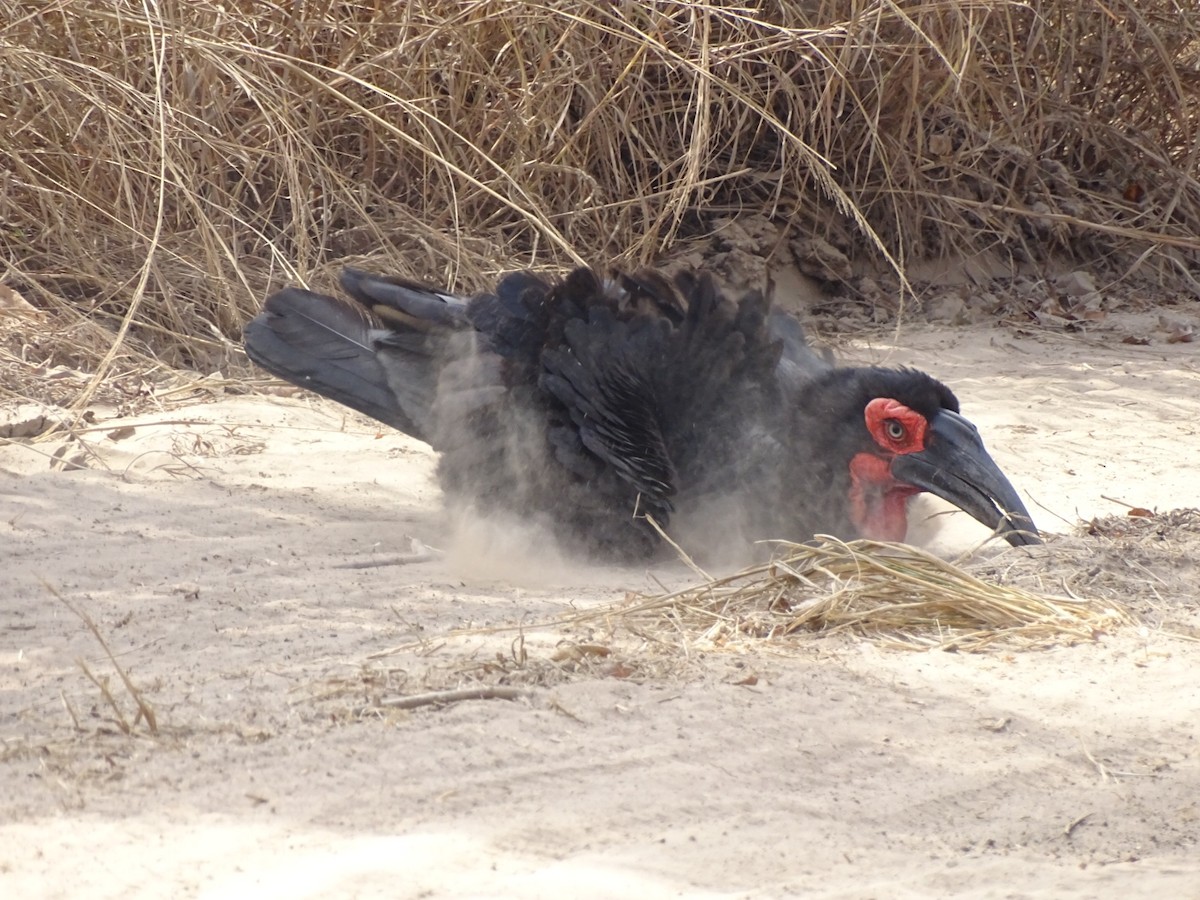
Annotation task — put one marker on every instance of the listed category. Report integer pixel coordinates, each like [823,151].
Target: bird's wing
[662,388]
[404,304]
[601,376]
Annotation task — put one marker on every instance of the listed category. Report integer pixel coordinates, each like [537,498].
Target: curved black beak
[955,466]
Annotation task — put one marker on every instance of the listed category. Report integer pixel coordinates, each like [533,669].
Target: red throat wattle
[878,502]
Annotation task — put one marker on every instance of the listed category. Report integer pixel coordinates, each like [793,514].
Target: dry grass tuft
[893,593]
[167,163]
[144,711]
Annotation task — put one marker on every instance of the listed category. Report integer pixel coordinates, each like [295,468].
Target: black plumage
[593,402]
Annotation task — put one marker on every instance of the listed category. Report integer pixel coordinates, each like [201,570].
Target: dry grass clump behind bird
[167,163]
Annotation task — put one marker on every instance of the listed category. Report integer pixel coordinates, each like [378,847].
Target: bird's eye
[895,430]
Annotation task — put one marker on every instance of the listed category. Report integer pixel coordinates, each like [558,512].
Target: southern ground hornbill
[593,402]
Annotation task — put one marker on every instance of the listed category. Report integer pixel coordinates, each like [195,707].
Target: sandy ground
[219,549]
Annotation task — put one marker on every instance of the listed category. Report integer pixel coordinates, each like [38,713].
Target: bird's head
[903,434]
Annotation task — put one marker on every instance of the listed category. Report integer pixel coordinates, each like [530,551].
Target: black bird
[593,402]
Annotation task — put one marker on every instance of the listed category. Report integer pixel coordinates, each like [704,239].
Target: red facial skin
[878,502]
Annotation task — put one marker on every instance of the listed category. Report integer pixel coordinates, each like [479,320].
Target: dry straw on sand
[894,593]
[166,163]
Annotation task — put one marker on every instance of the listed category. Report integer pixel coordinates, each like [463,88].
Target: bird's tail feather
[331,347]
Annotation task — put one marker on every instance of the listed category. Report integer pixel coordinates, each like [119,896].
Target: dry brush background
[166,163]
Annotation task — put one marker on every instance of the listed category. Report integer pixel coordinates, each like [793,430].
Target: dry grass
[166,163]
[144,711]
[893,593]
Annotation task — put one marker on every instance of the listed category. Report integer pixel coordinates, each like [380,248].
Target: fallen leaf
[619,670]
[578,651]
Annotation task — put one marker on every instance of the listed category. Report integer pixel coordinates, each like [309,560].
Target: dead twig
[438,698]
[1075,823]
[384,561]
